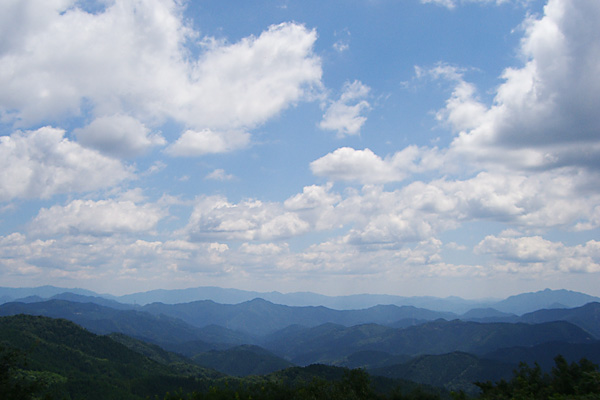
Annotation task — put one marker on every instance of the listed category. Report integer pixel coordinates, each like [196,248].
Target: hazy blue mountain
[371,359]
[406,322]
[45,292]
[518,304]
[586,317]
[529,302]
[242,361]
[78,298]
[330,343]
[218,334]
[300,299]
[176,296]
[260,317]
[31,299]
[102,320]
[488,314]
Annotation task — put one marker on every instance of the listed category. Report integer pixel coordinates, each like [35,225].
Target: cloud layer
[137,146]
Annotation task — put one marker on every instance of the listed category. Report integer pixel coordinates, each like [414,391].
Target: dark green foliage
[64,361]
[454,371]
[330,343]
[102,320]
[544,353]
[13,383]
[242,361]
[74,363]
[566,381]
[301,384]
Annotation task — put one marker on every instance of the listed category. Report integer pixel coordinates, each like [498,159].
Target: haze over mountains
[258,336]
[517,304]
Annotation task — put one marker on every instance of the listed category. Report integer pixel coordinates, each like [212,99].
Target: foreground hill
[65,361]
[103,320]
[544,354]
[75,363]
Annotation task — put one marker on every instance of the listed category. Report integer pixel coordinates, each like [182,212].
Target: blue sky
[411,147]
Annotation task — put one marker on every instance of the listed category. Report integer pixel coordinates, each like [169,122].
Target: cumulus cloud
[316,205]
[125,56]
[244,84]
[543,114]
[215,217]
[196,143]
[118,135]
[43,163]
[264,249]
[421,210]
[345,114]
[538,255]
[364,166]
[115,258]
[96,218]
[219,175]
[453,3]
[522,249]
[133,58]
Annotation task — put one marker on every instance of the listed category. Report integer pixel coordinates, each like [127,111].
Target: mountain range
[517,304]
[258,337]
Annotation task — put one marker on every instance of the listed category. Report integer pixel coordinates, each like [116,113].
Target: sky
[407,147]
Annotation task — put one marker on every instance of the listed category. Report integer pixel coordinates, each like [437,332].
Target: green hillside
[45,358]
[242,361]
[76,364]
[454,371]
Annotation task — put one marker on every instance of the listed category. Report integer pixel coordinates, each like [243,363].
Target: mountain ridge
[517,304]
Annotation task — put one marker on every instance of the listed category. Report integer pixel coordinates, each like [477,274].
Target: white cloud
[364,166]
[118,260]
[543,115]
[340,46]
[96,218]
[345,115]
[264,249]
[215,217]
[312,197]
[538,255]
[196,143]
[522,249]
[118,135]
[244,84]
[421,210]
[43,163]
[128,56]
[219,175]
[453,3]
[132,58]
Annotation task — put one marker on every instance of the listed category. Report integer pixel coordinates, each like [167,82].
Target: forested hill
[49,358]
[248,338]
[61,359]
[45,358]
